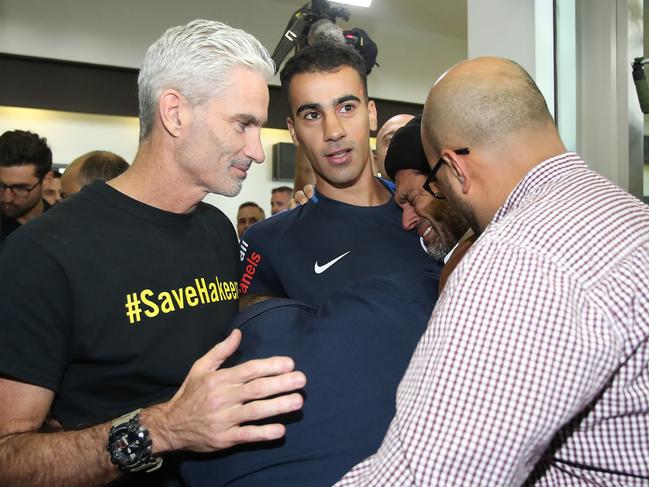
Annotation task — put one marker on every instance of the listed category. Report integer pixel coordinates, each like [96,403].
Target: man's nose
[409,218]
[7,195]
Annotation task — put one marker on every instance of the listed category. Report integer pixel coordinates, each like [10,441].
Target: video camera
[316,21]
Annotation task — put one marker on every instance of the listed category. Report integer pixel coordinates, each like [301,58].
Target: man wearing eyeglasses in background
[25,164]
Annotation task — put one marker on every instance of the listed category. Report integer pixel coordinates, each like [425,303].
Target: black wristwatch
[129,445]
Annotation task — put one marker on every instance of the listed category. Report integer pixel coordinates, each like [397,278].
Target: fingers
[254,369]
[272,386]
[213,359]
[269,408]
[301,197]
[249,434]
[258,410]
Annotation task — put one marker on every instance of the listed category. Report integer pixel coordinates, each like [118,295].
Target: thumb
[213,359]
[309,190]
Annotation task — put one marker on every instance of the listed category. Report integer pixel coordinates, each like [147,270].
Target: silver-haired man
[144,284]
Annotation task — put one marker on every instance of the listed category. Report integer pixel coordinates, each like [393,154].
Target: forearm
[66,459]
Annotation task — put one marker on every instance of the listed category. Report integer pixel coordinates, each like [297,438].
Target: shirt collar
[536,180]
[466,235]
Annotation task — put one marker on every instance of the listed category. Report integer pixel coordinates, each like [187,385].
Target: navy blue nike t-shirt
[311,251]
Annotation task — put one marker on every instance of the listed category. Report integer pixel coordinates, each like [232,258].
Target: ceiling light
[357,3]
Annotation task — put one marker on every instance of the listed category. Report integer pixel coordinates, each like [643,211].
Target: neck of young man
[366,190]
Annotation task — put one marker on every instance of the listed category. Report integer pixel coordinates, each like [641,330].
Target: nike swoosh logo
[319,269]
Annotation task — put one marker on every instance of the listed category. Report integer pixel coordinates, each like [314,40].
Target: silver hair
[196,59]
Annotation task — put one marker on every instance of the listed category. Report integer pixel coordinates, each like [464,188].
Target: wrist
[155,419]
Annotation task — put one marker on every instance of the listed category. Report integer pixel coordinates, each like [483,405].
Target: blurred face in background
[27,189]
[246,217]
[52,191]
[384,137]
[279,201]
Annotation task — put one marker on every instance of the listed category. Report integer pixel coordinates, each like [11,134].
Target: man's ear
[291,129]
[172,111]
[459,169]
[371,109]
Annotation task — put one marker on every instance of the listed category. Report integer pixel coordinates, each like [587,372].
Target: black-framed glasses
[19,190]
[431,176]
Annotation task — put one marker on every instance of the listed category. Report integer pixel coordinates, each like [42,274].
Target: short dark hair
[323,57]
[250,203]
[282,189]
[56,174]
[19,148]
[102,165]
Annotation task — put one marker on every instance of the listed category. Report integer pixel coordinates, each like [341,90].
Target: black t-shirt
[313,250]
[10,225]
[108,301]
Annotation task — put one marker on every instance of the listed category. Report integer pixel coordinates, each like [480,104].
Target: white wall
[608,36]
[118,32]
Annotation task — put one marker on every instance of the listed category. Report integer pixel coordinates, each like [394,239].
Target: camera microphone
[325,30]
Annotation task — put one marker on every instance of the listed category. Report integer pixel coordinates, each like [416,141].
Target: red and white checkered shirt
[534,368]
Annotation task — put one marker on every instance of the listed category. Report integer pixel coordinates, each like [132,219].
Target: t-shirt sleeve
[258,266]
[35,313]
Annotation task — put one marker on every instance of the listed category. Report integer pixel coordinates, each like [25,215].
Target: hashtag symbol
[133,310]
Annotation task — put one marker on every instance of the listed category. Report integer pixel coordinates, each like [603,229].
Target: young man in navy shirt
[352,227]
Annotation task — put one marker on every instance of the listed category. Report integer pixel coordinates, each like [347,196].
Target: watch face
[129,446]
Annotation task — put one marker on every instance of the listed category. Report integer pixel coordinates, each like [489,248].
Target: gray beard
[439,249]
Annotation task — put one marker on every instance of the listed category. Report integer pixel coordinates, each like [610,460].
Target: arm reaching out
[205,415]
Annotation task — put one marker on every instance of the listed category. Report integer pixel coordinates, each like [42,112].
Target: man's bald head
[482,101]
[384,136]
[87,167]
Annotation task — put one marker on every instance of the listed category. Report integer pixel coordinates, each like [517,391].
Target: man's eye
[347,108]
[312,116]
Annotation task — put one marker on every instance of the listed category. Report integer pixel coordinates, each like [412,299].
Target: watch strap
[125,418]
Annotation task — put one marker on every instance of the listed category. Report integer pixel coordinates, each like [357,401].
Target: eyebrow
[318,106]
[248,119]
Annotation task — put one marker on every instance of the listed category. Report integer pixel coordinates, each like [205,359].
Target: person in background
[89,167]
[52,189]
[533,368]
[25,167]
[280,199]
[104,166]
[383,138]
[112,324]
[249,213]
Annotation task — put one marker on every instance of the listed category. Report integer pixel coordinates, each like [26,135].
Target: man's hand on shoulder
[302,196]
[208,411]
